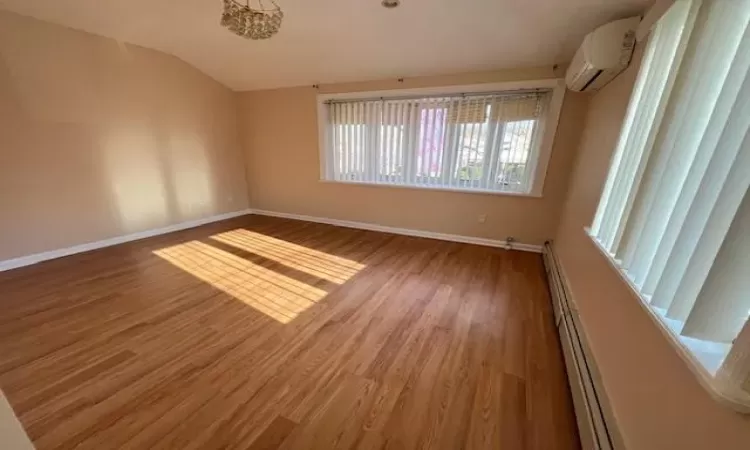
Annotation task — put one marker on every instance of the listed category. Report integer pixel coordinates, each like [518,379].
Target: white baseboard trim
[404,231]
[53,254]
[59,253]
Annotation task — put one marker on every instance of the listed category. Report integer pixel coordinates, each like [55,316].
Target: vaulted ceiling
[327,41]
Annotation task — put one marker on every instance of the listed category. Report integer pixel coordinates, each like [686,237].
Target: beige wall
[280,131]
[658,402]
[12,434]
[100,139]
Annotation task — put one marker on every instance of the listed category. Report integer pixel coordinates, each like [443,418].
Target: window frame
[538,163]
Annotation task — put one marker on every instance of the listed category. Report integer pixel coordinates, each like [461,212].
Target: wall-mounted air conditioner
[604,53]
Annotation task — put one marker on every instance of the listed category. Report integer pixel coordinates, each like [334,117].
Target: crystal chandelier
[251,23]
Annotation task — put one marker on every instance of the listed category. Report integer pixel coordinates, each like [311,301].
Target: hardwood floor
[263,333]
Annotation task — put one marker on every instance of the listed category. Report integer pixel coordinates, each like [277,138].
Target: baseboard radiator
[596,425]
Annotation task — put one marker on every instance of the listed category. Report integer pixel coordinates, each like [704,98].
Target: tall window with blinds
[487,142]
[674,216]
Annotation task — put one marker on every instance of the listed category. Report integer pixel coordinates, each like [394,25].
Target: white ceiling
[325,41]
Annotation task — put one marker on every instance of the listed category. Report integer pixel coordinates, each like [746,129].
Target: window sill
[702,358]
[437,188]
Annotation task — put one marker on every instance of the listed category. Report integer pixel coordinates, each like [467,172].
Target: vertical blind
[675,213]
[483,142]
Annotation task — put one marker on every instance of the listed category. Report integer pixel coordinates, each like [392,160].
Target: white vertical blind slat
[534,134]
[429,142]
[733,373]
[525,149]
[423,130]
[349,141]
[419,146]
[534,140]
[507,152]
[467,144]
[393,150]
[525,131]
[400,157]
[522,151]
[520,142]
[432,118]
[445,154]
[371,117]
[404,126]
[455,143]
[473,153]
[360,141]
[485,136]
[443,151]
[353,133]
[438,135]
[342,139]
[393,147]
[502,155]
[513,159]
[398,167]
[402,120]
[510,132]
[722,306]
[387,140]
[335,137]
[490,157]
[364,137]
[355,140]
[411,146]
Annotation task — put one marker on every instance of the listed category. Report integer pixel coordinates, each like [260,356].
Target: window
[674,216]
[468,141]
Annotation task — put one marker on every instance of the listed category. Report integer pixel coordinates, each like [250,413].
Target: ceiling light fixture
[390,4]
[251,23]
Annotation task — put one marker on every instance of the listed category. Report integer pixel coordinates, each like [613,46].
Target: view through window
[483,142]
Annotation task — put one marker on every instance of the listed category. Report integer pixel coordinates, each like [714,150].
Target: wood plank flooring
[263,333]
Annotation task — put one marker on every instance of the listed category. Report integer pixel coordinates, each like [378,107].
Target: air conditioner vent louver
[604,53]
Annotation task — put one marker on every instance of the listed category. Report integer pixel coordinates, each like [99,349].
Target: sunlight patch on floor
[322,265]
[278,296]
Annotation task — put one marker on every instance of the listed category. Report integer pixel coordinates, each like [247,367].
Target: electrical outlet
[482,218]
